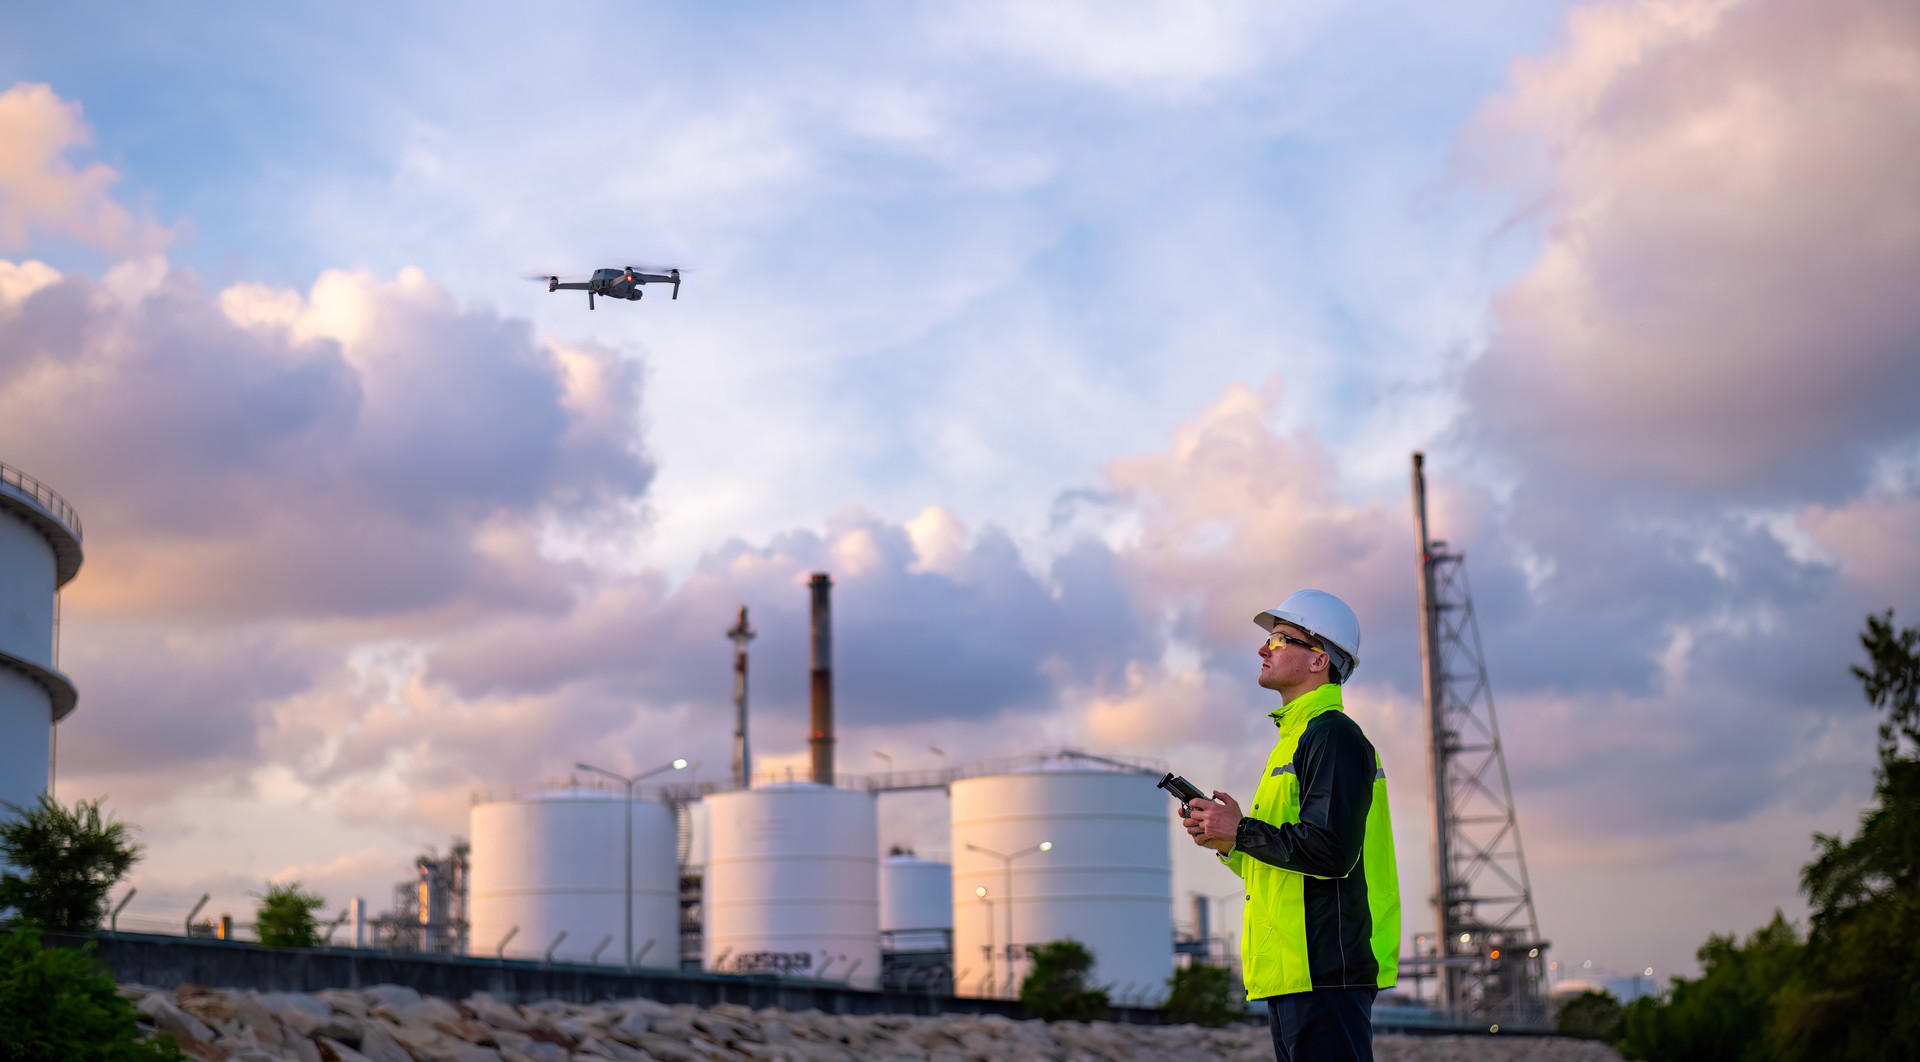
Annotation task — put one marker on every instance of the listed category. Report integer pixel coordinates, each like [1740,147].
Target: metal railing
[42,495]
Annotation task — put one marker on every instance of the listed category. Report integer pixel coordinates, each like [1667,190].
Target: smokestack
[822,740]
[742,756]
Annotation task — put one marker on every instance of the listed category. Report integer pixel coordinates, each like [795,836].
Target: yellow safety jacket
[1315,852]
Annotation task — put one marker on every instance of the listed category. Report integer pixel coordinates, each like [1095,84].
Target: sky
[1066,337]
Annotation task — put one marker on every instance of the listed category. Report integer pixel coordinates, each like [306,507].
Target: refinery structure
[39,554]
[789,881]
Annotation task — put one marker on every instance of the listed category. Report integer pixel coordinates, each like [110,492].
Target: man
[1321,933]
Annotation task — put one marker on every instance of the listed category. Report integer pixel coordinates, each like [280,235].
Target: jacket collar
[1326,698]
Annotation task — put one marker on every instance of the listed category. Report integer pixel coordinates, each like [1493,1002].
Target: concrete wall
[166,962]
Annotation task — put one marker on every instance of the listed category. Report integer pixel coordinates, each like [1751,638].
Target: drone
[615,283]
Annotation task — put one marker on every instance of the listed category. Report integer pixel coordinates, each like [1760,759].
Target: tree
[1204,995]
[1852,989]
[1861,995]
[284,918]
[62,863]
[1723,1014]
[59,1003]
[1591,1015]
[1056,988]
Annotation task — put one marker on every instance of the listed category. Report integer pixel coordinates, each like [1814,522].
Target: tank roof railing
[42,495]
[893,782]
[939,778]
[561,784]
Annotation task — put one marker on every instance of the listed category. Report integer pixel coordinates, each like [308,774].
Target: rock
[725,1030]
[303,1014]
[258,1021]
[379,1045]
[342,1027]
[714,1051]
[429,1011]
[499,1015]
[672,1026]
[421,1041]
[629,1027]
[391,995]
[344,1002]
[668,1050]
[332,1050]
[204,1052]
[652,1008]
[172,1020]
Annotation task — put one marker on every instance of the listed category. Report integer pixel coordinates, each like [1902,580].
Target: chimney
[822,740]
[742,755]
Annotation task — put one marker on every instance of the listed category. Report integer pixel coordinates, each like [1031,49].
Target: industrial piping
[821,742]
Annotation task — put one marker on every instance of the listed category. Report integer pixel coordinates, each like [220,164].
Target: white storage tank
[550,863]
[791,883]
[39,554]
[1106,880]
[916,903]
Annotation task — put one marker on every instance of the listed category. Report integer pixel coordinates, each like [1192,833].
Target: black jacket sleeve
[1336,764]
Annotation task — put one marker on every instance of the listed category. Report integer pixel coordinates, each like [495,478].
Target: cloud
[369,448]
[1143,50]
[1722,302]
[42,192]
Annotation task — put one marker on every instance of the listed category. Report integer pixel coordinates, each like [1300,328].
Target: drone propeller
[544,277]
[643,266]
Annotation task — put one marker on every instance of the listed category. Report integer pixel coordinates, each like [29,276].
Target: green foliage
[284,918]
[1852,989]
[1861,994]
[59,1004]
[1203,995]
[1725,1013]
[1591,1015]
[1056,989]
[63,862]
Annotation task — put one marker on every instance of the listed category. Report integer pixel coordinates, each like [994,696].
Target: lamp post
[1006,865]
[627,863]
[981,891]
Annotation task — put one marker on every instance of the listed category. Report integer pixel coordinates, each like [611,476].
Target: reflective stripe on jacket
[1316,855]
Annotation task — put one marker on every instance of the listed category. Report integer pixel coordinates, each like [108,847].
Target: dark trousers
[1325,1025]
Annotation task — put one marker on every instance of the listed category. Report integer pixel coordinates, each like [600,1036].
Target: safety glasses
[1280,641]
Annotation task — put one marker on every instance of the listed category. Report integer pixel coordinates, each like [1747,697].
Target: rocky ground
[387,1023]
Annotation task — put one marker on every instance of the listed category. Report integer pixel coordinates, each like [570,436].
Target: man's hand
[1213,823]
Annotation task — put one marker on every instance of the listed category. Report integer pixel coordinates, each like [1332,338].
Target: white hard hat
[1327,618]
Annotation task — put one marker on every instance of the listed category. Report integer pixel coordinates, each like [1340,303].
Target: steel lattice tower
[1491,961]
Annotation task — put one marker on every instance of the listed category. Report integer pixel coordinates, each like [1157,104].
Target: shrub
[1591,1015]
[1056,989]
[63,863]
[58,1004]
[1203,995]
[284,918]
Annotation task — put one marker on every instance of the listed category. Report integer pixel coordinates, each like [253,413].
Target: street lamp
[1006,864]
[981,891]
[627,863]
